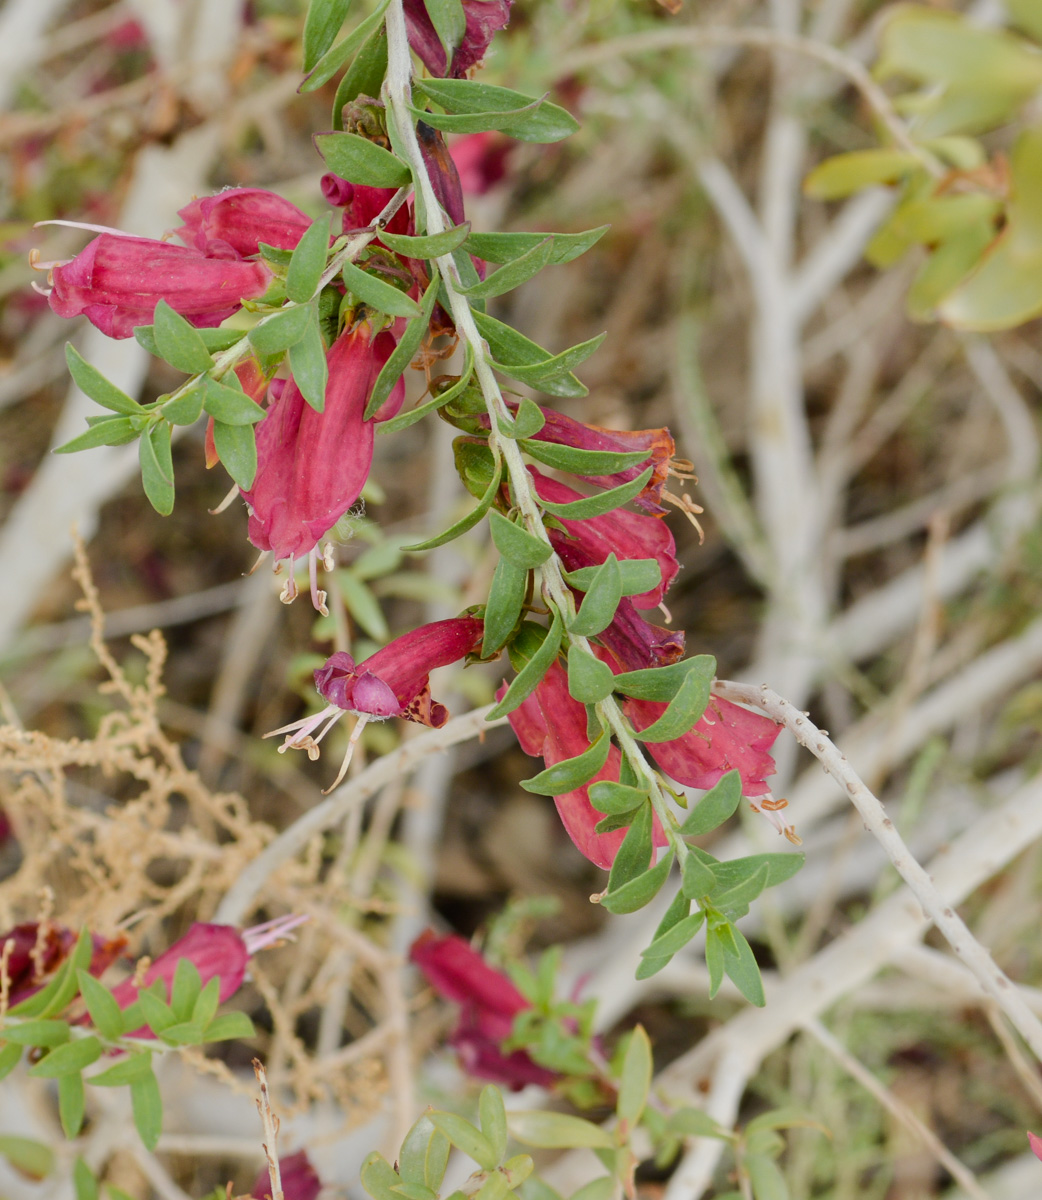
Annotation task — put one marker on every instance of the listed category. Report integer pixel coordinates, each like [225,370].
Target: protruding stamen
[260,558]
[683,468]
[289,591]
[259,937]
[689,508]
[37,263]
[223,505]
[666,614]
[39,288]
[328,556]
[356,733]
[318,597]
[138,237]
[767,806]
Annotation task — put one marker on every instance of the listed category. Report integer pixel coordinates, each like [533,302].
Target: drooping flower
[33,951]
[393,682]
[488,1002]
[311,466]
[637,643]
[484,18]
[117,280]
[300,1180]
[589,541]
[218,951]
[232,224]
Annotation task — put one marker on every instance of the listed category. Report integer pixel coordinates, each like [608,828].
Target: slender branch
[270,1122]
[989,975]
[240,896]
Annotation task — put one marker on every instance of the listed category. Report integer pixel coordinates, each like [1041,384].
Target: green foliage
[361,161]
[472,107]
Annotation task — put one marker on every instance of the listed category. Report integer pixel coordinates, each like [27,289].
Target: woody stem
[397,91]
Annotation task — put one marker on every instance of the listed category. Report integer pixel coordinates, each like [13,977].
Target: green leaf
[634,855]
[683,711]
[583,462]
[600,503]
[493,1116]
[503,607]
[72,1104]
[186,408]
[321,26]
[229,1027]
[236,447]
[506,247]
[307,364]
[205,1007]
[465,523]
[589,679]
[147,1106]
[450,24]
[843,174]
[740,965]
[736,899]
[513,275]
[431,245]
[10,1056]
[780,867]
[557,1131]
[542,373]
[29,1157]
[84,1180]
[335,57]
[765,1177]
[308,261]
[677,937]
[637,575]
[515,543]
[36,1033]
[465,1137]
[56,995]
[640,890]
[653,963]
[359,160]
[231,405]
[363,606]
[571,773]
[635,1079]
[495,1187]
[68,1059]
[663,683]
[157,476]
[527,679]
[510,346]
[378,294]
[134,1066]
[114,431]
[178,342]
[529,420]
[1027,15]
[105,1013]
[281,330]
[719,803]
[407,346]
[699,876]
[613,798]
[379,1178]
[476,107]
[603,1188]
[603,595]
[184,1033]
[157,1013]
[424,1155]
[365,75]
[93,384]
[714,959]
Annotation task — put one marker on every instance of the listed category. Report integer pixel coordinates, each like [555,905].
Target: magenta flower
[488,1002]
[393,682]
[311,466]
[551,725]
[1035,1142]
[218,951]
[627,535]
[117,280]
[484,18]
[300,1180]
[232,224]
[33,951]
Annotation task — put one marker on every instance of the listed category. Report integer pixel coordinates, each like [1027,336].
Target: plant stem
[397,93]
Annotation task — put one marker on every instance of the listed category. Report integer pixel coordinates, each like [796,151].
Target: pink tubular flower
[489,1002]
[393,682]
[484,18]
[550,724]
[1035,1142]
[218,951]
[33,951]
[300,1180]
[232,224]
[311,466]
[627,535]
[116,281]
